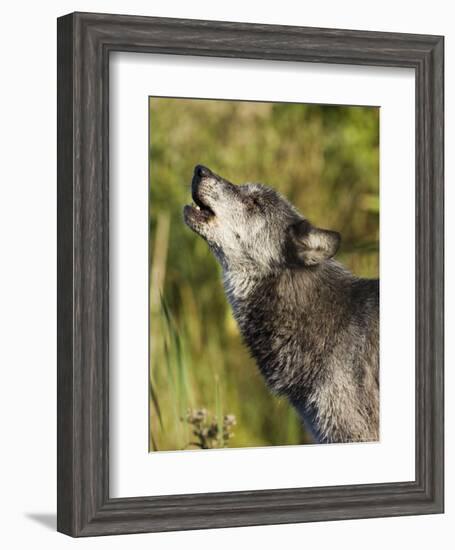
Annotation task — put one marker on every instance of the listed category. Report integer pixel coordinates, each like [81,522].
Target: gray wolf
[311,325]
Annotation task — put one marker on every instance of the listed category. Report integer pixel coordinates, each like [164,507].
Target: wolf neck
[239,285]
[245,288]
[277,314]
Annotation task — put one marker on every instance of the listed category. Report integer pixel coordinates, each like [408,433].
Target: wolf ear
[309,245]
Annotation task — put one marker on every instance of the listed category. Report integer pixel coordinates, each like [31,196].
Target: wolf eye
[254,203]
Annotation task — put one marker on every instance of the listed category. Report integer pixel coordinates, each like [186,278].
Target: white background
[28,273]
[132,468]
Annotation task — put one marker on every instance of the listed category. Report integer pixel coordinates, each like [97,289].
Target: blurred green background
[325,159]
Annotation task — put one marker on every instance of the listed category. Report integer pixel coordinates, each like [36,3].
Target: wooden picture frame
[84,44]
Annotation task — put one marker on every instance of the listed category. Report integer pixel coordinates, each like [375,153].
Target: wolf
[311,325]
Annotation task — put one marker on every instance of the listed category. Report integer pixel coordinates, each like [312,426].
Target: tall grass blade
[156,404]
[154,445]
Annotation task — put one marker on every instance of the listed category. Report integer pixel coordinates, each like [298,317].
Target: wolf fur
[311,325]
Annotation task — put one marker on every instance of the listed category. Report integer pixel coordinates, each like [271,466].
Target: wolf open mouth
[199,211]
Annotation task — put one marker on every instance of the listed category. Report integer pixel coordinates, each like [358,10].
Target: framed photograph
[250,274]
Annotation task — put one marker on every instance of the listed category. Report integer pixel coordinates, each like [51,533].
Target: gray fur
[311,325]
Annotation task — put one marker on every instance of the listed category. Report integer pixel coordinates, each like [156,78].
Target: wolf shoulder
[365,296]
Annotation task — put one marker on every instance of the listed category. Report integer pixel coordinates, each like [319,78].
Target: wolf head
[252,227]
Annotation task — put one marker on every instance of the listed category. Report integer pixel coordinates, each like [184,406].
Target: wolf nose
[201,171]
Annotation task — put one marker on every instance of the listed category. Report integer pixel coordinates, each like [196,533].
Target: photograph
[263,274]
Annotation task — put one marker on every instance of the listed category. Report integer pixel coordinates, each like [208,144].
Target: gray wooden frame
[84,43]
